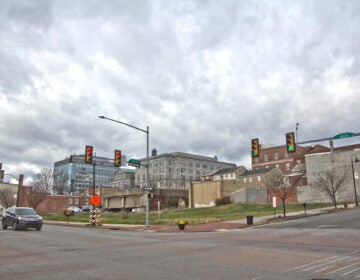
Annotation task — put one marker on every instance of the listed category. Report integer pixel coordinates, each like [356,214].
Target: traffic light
[255,147]
[117,162]
[290,142]
[88,154]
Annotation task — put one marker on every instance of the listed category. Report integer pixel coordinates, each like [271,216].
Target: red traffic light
[88,154]
[117,160]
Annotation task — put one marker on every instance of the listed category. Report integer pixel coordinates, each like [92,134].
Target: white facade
[176,170]
[341,161]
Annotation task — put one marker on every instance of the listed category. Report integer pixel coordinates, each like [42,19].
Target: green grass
[190,216]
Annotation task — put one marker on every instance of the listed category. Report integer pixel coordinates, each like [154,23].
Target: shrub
[68,212]
[223,201]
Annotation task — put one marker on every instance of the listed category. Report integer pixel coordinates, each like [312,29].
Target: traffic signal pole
[147,162]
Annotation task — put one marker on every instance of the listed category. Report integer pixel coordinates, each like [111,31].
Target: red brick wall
[290,199]
[52,203]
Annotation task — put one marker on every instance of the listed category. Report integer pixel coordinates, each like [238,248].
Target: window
[244,180]
[70,201]
[266,157]
[259,178]
[250,180]
[76,201]
[288,166]
[276,155]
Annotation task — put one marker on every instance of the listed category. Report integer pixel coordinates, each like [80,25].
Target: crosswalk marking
[336,266]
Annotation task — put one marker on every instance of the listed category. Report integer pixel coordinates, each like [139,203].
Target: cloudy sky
[205,76]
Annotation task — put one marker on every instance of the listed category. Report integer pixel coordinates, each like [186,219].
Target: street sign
[344,135]
[134,162]
[95,200]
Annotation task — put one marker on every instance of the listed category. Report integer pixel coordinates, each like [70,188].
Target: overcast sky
[205,76]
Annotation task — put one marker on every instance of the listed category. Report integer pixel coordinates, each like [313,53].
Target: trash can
[249,220]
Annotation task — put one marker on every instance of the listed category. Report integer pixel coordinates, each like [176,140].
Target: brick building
[291,165]
[277,156]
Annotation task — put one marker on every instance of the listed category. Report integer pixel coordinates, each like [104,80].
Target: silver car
[21,217]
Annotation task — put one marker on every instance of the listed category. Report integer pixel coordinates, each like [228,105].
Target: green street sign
[134,162]
[344,135]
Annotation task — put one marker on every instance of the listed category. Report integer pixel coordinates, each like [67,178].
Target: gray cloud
[205,76]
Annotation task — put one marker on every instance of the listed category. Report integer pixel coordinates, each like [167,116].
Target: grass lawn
[190,216]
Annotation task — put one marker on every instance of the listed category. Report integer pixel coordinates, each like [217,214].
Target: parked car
[74,209]
[87,208]
[21,217]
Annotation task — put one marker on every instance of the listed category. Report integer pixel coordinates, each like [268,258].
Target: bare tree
[42,186]
[285,190]
[7,198]
[43,181]
[330,182]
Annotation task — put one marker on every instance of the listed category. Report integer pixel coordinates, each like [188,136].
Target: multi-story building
[332,165]
[292,165]
[124,179]
[176,170]
[277,156]
[73,176]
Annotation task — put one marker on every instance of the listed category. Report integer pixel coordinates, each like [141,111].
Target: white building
[342,160]
[176,170]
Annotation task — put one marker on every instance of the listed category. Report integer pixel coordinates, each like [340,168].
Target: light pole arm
[147,162]
[106,118]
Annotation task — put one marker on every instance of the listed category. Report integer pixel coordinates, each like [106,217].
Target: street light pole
[353,175]
[147,162]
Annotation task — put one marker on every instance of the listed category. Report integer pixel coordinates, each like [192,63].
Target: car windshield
[25,211]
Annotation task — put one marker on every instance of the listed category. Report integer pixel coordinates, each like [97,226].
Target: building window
[76,201]
[288,166]
[266,157]
[70,201]
[259,178]
[250,180]
[256,160]
[277,165]
[276,155]
[244,180]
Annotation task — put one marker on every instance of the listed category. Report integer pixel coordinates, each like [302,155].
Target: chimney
[20,190]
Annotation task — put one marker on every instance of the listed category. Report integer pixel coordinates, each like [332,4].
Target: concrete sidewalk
[208,227]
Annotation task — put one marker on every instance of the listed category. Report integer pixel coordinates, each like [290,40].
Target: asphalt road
[340,220]
[320,247]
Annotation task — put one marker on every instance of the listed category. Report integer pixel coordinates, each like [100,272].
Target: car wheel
[4,226]
[14,226]
[38,228]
